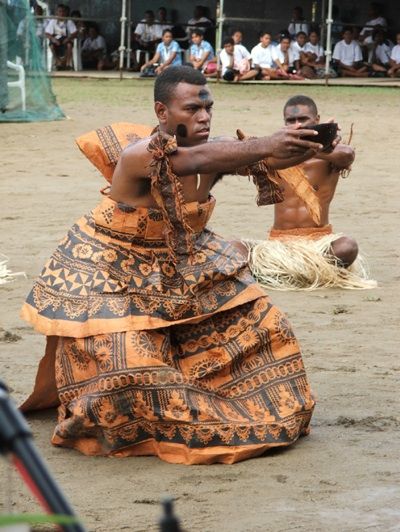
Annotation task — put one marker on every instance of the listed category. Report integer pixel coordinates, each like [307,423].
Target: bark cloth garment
[300,259]
[159,341]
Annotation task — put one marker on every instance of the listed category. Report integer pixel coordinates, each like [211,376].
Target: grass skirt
[7,275]
[301,260]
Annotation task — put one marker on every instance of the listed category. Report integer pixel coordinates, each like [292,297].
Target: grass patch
[116,93]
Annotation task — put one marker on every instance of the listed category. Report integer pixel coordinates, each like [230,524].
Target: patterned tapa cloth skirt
[184,359]
[300,259]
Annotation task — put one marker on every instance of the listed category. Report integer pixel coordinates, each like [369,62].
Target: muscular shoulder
[135,160]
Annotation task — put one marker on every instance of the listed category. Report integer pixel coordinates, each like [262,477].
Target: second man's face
[300,115]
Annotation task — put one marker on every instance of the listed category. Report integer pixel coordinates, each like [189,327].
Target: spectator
[167,54]
[394,62]
[23,27]
[147,34]
[312,59]
[297,23]
[379,57]
[199,21]
[61,34]
[262,59]
[94,50]
[348,56]
[284,59]
[80,24]
[235,62]
[162,21]
[201,52]
[375,12]
[237,37]
[297,46]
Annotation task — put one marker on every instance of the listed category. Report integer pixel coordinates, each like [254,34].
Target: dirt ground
[346,475]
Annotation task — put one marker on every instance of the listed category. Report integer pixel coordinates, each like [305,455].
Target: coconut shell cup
[327,133]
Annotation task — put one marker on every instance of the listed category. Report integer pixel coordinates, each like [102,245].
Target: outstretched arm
[216,157]
[342,156]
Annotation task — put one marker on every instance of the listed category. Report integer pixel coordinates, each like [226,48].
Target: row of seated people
[302,58]
[67,28]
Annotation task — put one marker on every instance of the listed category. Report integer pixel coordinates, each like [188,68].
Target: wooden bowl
[327,133]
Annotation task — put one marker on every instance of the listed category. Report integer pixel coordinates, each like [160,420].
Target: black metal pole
[16,438]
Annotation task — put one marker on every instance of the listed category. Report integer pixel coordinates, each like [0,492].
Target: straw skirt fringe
[7,275]
[304,264]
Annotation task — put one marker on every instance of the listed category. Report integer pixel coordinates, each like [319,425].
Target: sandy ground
[345,475]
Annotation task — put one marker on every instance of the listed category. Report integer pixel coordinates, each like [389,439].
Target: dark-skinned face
[300,115]
[229,48]
[237,37]
[167,38]
[285,45]
[347,36]
[301,40]
[188,114]
[265,40]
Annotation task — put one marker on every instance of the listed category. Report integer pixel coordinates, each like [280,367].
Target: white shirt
[148,32]
[278,54]
[262,56]
[60,28]
[382,52]
[240,52]
[23,28]
[201,23]
[379,21]
[297,49]
[395,55]
[164,26]
[92,45]
[295,27]
[316,49]
[347,53]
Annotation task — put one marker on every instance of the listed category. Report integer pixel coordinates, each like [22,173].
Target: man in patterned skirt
[159,341]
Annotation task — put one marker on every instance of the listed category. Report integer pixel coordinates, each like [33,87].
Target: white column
[328,49]
[122,48]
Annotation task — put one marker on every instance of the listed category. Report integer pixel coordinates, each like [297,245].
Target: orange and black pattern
[218,390]
[149,354]
[269,191]
[113,272]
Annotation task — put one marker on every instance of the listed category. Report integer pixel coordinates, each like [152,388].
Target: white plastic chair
[20,84]
[146,55]
[76,55]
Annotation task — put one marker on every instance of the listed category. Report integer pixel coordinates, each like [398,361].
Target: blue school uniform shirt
[198,50]
[165,52]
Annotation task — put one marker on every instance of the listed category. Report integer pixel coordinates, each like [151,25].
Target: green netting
[22,47]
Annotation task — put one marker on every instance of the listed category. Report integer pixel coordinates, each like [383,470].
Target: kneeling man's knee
[345,249]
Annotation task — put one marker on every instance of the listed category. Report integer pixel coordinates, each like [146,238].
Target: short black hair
[301,33]
[300,99]
[262,33]
[167,81]
[197,31]
[228,40]
[167,30]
